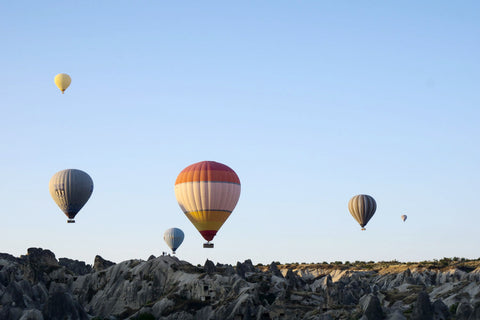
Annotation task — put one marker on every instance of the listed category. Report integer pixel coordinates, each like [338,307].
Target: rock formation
[38,287]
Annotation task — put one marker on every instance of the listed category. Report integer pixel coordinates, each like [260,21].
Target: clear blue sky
[310,102]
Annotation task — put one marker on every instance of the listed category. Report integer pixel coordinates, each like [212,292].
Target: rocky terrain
[38,286]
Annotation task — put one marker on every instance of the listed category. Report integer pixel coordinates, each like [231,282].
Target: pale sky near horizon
[310,103]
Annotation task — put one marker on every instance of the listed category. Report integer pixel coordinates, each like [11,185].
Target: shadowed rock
[61,305]
[423,308]
[243,268]
[10,313]
[169,288]
[13,296]
[397,315]
[39,256]
[440,310]
[476,312]
[209,267]
[240,270]
[293,280]
[372,308]
[274,270]
[464,311]
[101,264]
[77,267]
[8,257]
[32,314]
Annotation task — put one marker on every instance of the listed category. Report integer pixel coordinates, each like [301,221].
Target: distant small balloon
[70,189]
[63,80]
[174,238]
[404,217]
[362,207]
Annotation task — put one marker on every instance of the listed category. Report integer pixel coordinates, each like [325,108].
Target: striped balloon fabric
[207,192]
[70,189]
[362,207]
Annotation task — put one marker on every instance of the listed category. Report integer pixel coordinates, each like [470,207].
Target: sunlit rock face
[37,286]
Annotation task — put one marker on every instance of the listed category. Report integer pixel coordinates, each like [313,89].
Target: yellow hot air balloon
[70,189]
[404,217]
[63,80]
[207,193]
[362,207]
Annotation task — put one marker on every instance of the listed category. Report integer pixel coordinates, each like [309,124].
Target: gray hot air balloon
[70,189]
[174,238]
[362,207]
[404,217]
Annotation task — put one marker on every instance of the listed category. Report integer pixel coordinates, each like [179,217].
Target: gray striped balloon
[70,189]
[362,207]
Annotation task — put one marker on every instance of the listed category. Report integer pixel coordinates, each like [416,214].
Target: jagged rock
[226,270]
[39,293]
[8,257]
[209,267]
[396,315]
[10,313]
[327,282]
[294,281]
[182,315]
[243,268]
[62,306]
[440,310]
[476,312]
[162,305]
[168,288]
[423,308]
[4,278]
[372,310]
[464,311]
[248,266]
[240,270]
[40,257]
[151,257]
[100,264]
[274,270]
[77,267]
[13,296]
[31,314]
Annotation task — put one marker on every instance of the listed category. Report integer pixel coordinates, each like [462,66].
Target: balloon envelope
[207,193]
[70,189]
[62,80]
[362,207]
[404,217]
[174,238]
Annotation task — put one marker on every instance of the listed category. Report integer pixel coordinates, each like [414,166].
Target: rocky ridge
[38,286]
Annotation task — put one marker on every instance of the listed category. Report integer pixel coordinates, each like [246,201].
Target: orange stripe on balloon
[207,171]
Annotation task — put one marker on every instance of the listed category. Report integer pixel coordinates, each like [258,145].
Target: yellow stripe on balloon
[208,220]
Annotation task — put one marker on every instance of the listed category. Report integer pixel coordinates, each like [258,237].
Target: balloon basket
[70,221]
[208,245]
[363,229]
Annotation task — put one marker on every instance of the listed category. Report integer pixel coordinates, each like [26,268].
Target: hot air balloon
[207,193]
[174,238]
[362,207]
[404,217]
[70,189]
[62,80]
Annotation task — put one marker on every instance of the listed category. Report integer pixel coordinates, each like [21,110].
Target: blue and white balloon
[174,238]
